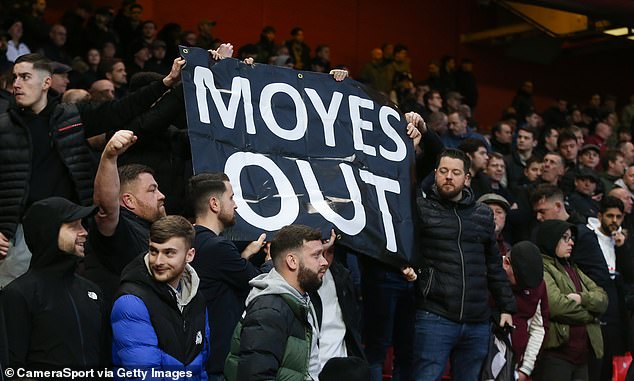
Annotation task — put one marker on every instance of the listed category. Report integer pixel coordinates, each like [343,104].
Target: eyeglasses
[567,237]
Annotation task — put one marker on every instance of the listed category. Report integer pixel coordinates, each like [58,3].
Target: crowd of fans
[555,190]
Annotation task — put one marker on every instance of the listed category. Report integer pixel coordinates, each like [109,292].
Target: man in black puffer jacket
[458,265]
[43,149]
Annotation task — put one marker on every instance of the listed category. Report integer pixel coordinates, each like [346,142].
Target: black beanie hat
[527,264]
[549,233]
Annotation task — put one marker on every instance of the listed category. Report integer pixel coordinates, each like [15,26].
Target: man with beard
[607,227]
[52,317]
[458,264]
[159,320]
[129,202]
[278,336]
[224,271]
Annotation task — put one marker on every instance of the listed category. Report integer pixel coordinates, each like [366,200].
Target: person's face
[565,245]
[589,158]
[401,55]
[496,168]
[135,14]
[109,50]
[576,117]
[433,69]
[435,100]
[528,87]
[595,100]
[149,202]
[143,54]
[227,213]
[29,85]
[119,75]
[479,159]
[547,210]
[324,53]
[553,168]
[149,29]
[102,89]
[551,139]
[39,6]
[450,177]
[58,35]
[456,126]
[377,54]
[628,178]
[611,220]
[15,31]
[603,130]
[533,120]
[453,103]
[510,275]
[562,105]
[93,57]
[625,196]
[612,119]
[625,136]
[586,186]
[312,266]
[628,153]
[617,166]
[580,138]
[568,149]
[525,141]
[190,39]
[499,217]
[158,53]
[299,36]
[533,171]
[505,134]
[59,82]
[167,260]
[72,238]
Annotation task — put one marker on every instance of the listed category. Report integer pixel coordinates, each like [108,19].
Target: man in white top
[337,309]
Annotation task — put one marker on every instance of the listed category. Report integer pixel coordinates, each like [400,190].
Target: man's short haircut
[204,185]
[548,192]
[565,136]
[533,159]
[611,202]
[169,227]
[610,156]
[496,155]
[436,117]
[528,129]
[461,115]
[561,158]
[296,30]
[39,62]
[497,127]
[453,153]
[291,237]
[130,172]
[471,145]
[106,66]
[428,95]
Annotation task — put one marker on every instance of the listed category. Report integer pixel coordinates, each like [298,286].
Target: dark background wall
[429,28]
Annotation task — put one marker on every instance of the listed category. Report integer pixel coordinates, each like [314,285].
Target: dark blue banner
[302,148]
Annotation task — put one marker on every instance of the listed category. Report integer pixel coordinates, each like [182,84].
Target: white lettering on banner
[401,151]
[358,124]
[241,88]
[289,208]
[382,185]
[204,81]
[352,226]
[267,111]
[327,117]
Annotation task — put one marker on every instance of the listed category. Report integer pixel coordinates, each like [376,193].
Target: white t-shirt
[333,328]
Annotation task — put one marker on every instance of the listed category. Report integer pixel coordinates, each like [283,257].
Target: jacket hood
[138,272]
[272,283]
[41,225]
[527,264]
[549,233]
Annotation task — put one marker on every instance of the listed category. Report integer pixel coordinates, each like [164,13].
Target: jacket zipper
[81,335]
[461,261]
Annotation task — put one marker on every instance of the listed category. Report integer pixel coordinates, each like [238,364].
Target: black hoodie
[53,318]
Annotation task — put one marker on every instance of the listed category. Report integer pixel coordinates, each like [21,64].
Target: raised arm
[107,185]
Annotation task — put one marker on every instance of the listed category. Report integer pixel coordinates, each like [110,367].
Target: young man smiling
[159,320]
